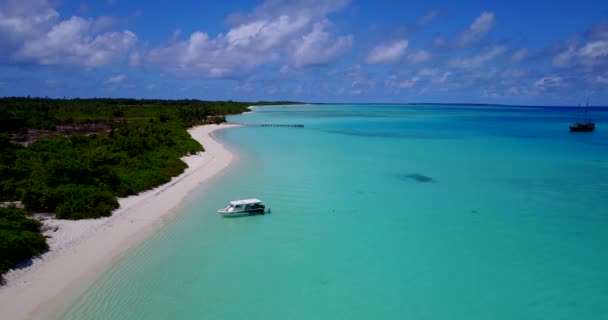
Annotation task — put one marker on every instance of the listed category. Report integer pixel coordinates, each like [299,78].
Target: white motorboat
[243,208]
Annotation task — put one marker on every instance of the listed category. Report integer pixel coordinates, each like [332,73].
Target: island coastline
[80,251]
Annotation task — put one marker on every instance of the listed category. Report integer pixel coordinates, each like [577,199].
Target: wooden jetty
[280,125]
[271,125]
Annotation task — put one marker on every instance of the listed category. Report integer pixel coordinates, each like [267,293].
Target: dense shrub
[219,119]
[82,202]
[20,239]
[8,173]
[79,176]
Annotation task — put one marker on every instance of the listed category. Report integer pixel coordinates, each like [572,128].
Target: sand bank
[81,250]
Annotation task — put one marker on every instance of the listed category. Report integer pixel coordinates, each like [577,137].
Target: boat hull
[582,127]
[241,213]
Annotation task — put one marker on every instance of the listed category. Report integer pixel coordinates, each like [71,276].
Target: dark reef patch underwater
[415,177]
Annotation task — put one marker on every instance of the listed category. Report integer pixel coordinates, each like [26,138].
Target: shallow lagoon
[421,212]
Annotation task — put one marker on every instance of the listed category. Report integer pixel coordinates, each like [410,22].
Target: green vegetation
[77,156]
[20,239]
[80,176]
[44,113]
[76,169]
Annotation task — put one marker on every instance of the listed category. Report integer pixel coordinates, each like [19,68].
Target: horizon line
[322,103]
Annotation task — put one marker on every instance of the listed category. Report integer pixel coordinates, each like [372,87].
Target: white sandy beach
[81,250]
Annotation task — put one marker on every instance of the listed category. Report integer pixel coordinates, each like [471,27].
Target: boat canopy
[246,201]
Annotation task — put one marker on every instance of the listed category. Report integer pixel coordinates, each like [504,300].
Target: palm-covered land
[75,157]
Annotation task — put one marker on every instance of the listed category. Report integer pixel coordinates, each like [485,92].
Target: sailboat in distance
[583,126]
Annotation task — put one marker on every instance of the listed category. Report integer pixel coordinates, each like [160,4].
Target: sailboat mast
[587,107]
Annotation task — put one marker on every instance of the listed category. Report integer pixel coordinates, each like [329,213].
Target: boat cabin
[243,207]
[247,204]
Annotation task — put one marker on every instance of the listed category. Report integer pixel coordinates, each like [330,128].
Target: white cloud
[71,42]
[134,59]
[410,83]
[103,23]
[435,75]
[483,23]
[246,86]
[22,20]
[594,51]
[512,76]
[477,60]
[115,79]
[266,34]
[202,55]
[420,56]
[519,55]
[590,55]
[388,52]
[176,34]
[394,82]
[550,82]
[270,9]
[319,46]
[357,76]
[478,29]
[444,77]
[25,17]
[565,58]
[298,34]
[31,31]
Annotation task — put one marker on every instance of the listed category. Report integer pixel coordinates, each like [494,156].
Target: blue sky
[512,52]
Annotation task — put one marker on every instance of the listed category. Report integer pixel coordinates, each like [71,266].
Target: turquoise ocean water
[384,212]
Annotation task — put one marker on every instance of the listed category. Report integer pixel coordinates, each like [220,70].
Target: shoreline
[81,250]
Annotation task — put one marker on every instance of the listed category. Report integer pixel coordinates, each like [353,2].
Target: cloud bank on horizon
[307,50]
